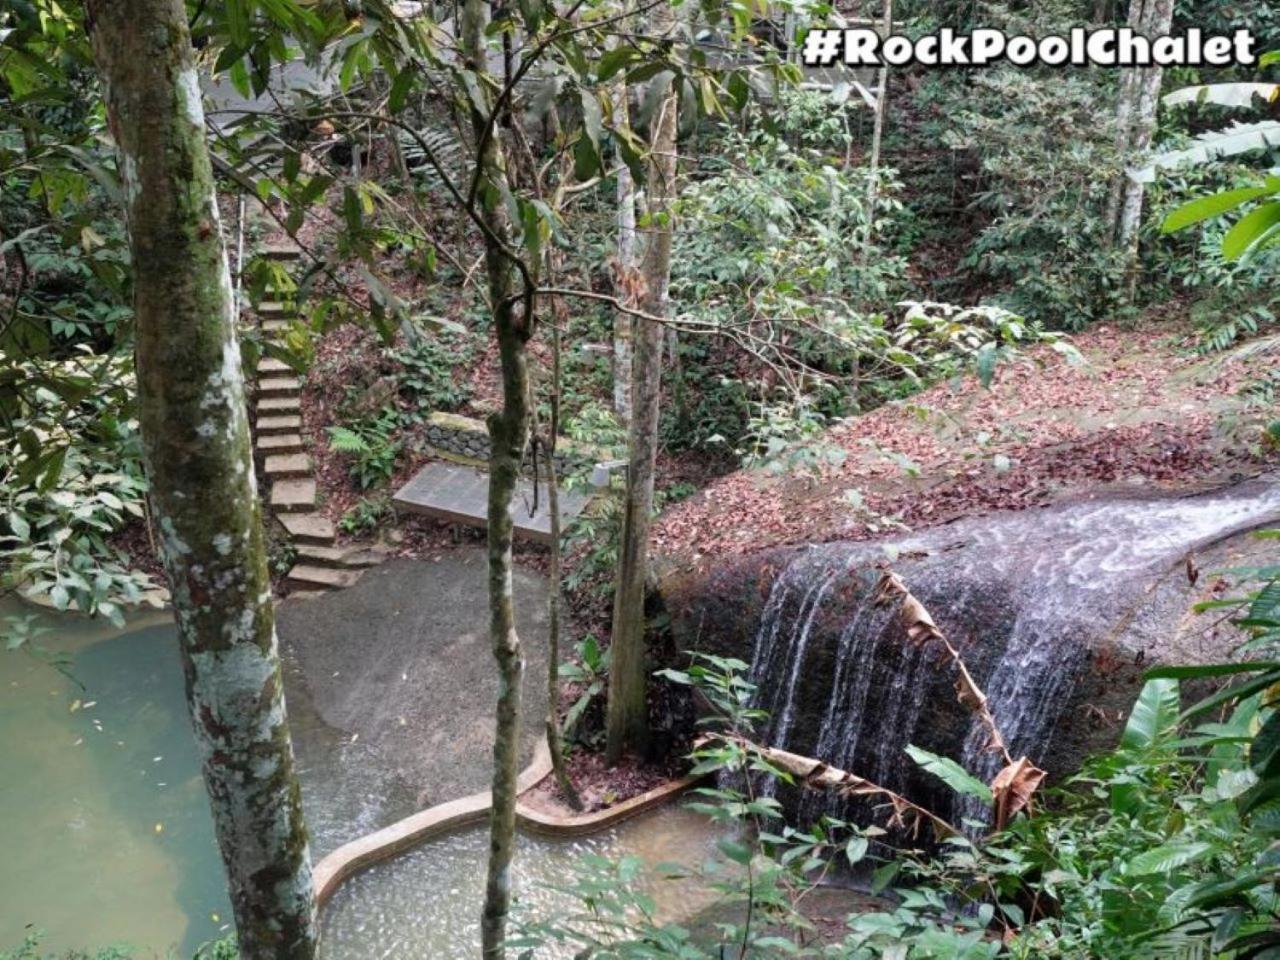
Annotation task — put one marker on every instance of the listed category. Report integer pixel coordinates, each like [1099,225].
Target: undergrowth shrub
[430,370]
[1232,300]
[1044,147]
[371,446]
[68,483]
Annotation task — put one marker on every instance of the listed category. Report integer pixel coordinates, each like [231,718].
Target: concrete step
[310,528]
[350,557]
[293,496]
[283,466]
[280,443]
[282,250]
[274,327]
[275,308]
[278,406]
[271,367]
[306,577]
[279,387]
[278,424]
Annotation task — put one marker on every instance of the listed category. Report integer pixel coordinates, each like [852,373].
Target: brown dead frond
[921,629]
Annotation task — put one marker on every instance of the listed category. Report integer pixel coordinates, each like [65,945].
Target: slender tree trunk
[1159,22]
[1125,108]
[203,493]
[628,721]
[626,200]
[508,436]
[877,130]
[555,737]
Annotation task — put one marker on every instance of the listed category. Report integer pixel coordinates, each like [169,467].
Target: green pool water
[106,837]
[104,826]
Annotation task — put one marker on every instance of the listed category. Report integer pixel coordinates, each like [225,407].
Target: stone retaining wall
[466,440]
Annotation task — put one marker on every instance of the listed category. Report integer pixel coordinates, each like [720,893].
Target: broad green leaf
[1154,716]
[614,60]
[1203,208]
[735,850]
[1251,229]
[1167,857]
[856,849]
[400,88]
[951,773]
[1236,692]
[884,876]
[1208,670]
[21,529]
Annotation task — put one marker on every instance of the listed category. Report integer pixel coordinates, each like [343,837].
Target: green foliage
[224,949]
[371,446]
[67,485]
[777,255]
[589,421]
[590,672]
[592,546]
[815,119]
[432,370]
[950,773]
[365,516]
[30,950]
[1043,145]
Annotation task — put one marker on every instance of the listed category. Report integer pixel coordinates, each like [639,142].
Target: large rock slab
[1057,611]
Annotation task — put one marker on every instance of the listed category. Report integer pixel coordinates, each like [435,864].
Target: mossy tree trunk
[509,435]
[628,718]
[199,462]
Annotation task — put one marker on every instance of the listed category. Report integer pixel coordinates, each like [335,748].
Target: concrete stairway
[285,464]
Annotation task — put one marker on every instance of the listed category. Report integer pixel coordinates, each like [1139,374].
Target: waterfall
[1025,596]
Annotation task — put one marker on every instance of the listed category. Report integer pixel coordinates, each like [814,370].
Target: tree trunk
[508,435]
[197,451]
[626,269]
[555,736]
[628,721]
[1159,22]
[1125,108]
[877,131]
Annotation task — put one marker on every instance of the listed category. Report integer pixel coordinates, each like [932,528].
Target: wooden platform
[449,491]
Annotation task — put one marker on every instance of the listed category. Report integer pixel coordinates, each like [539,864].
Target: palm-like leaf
[1236,139]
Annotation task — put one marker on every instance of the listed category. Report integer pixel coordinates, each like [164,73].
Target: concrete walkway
[401,661]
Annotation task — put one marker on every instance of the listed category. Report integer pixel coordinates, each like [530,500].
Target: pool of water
[107,838]
[104,824]
[426,903]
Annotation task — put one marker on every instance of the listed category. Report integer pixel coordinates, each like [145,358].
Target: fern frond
[343,440]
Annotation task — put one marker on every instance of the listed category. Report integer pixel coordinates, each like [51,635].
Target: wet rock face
[1056,611]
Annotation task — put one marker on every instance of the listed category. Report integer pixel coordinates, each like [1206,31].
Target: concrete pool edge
[548,824]
[364,852]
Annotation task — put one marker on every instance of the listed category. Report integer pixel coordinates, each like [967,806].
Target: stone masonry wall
[466,440]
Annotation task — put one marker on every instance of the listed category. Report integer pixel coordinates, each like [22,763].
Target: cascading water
[1026,597]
